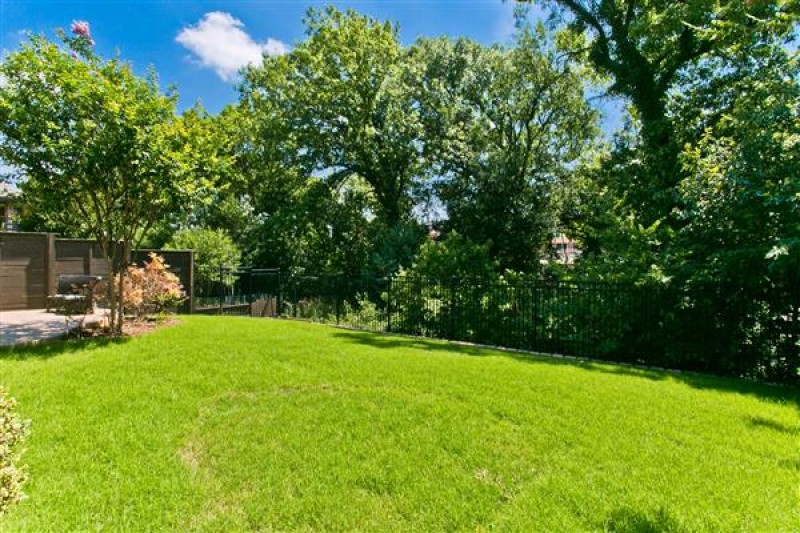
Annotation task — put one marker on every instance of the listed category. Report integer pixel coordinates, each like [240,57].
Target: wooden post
[90,255]
[50,282]
[190,282]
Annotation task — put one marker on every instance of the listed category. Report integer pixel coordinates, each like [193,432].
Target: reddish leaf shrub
[151,289]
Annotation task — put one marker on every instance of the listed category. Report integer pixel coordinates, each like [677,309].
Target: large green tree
[340,99]
[740,200]
[330,153]
[99,145]
[736,204]
[503,129]
[643,46]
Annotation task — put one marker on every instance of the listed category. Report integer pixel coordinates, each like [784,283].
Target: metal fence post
[249,289]
[278,297]
[452,321]
[221,289]
[337,297]
[389,305]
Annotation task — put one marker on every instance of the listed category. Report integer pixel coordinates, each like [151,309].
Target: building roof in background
[561,239]
[8,190]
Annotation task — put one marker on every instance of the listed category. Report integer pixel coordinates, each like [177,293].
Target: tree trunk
[110,255]
[123,270]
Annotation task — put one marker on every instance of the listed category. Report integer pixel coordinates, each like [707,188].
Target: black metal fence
[336,299]
[707,327]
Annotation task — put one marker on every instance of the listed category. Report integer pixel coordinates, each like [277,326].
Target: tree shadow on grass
[627,520]
[780,427]
[393,342]
[764,391]
[791,464]
[56,347]
[623,369]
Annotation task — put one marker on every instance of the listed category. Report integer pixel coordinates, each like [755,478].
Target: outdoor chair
[74,295]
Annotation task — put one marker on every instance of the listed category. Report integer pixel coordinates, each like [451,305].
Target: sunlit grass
[229,424]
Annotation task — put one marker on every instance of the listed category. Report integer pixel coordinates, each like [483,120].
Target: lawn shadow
[791,464]
[627,520]
[392,341]
[764,391]
[624,369]
[763,422]
[55,347]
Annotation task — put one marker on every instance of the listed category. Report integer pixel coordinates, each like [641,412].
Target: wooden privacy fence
[30,264]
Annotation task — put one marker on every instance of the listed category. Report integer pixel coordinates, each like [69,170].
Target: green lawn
[227,424]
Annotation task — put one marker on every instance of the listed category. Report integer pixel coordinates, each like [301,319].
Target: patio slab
[35,325]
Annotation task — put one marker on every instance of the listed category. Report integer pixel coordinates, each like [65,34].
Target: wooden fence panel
[26,269]
[30,264]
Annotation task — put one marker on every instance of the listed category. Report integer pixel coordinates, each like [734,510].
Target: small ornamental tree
[99,145]
[12,432]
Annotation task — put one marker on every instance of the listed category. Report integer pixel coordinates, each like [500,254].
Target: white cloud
[505,25]
[219,41]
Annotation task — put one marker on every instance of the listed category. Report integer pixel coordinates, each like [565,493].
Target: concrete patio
[35,325]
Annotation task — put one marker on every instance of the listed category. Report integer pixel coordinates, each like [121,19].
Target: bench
[74,294]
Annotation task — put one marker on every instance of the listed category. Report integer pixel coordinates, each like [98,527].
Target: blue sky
[197,44]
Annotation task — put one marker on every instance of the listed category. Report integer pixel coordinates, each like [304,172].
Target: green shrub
[212,248]
[364,313]
[13,431]
[454,257]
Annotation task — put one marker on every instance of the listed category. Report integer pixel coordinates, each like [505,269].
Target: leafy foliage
[151,288]
[350,134]
[503,130]
[740,203]
[213,248]
[101,148]
[644,47]
[456,257]
[699,185]
[340,92]
[13,431]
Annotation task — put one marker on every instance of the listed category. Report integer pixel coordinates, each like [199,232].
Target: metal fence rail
[707,327]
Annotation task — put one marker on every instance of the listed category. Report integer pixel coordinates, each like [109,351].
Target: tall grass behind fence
[712,328]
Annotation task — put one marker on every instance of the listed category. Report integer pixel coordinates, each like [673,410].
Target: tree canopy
[643,47]
[340,93]
[342,154]
[504,128]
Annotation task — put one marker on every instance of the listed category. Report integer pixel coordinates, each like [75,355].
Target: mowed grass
[226,424]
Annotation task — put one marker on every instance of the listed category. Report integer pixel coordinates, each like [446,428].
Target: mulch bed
[131,328]
[134,328]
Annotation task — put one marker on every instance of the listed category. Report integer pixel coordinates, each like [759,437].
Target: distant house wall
[7,217]
[564,249]
[8,213]
[30,264]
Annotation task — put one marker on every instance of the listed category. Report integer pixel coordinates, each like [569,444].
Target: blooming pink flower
[81,28]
